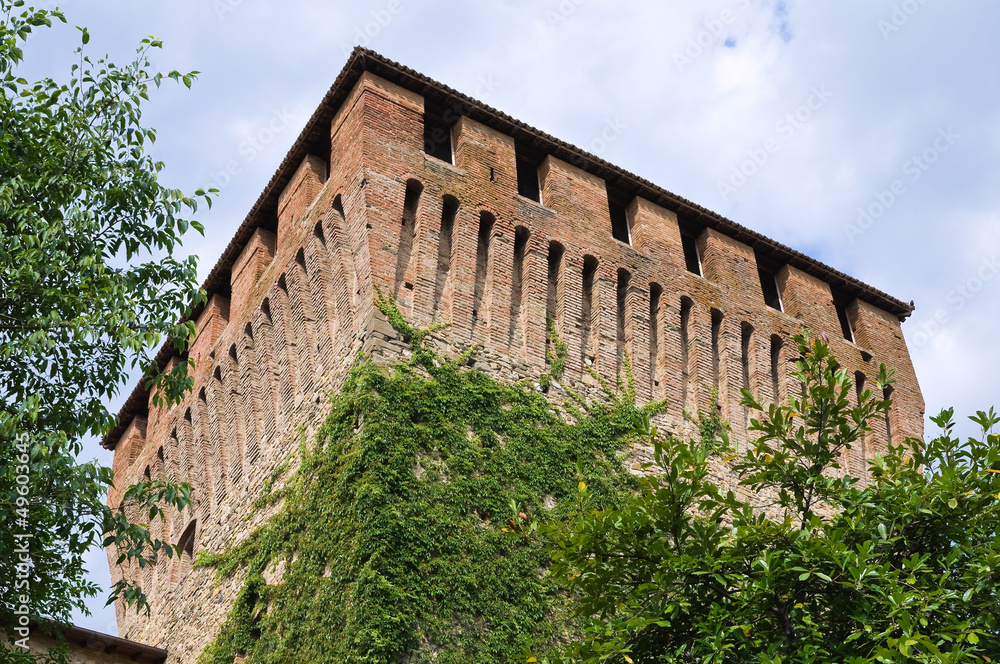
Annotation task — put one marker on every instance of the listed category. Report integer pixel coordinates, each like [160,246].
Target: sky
[864,133]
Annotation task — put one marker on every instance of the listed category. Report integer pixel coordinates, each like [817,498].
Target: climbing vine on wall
[556,351]
[387,542]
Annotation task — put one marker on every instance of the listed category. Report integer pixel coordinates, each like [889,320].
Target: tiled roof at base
[88,639]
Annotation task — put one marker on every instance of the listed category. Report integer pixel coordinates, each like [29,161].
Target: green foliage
[390,534]
[713,430]
[88,285]
[387,305]
[556,352]
[819,568]
[799,444]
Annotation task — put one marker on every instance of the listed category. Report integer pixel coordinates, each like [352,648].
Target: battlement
[469,218]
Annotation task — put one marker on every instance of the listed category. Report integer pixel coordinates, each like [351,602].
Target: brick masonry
[456,243]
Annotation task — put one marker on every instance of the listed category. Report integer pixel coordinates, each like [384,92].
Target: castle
[465,216]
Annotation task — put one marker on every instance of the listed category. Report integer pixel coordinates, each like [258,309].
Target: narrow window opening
[776,344]
[250,398]
[859,390]
[655,293]
[186,546]
[624,277]
[438,123]
[716,352]
[845,322]
[587,306]
[449,211]
[175,446]
[552,294]
[527,173]
[486,222]
[769,286]
[686,306]
[746,343]
[232,354]
[222,422]
[318,232]
[620,227]
[692,259]
[887,396]
[521,235]
[340,227]
[407,234]
[265,308]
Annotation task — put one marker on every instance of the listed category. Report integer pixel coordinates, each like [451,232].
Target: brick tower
[469,217]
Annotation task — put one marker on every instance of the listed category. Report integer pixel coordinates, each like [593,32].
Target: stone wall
[457,243]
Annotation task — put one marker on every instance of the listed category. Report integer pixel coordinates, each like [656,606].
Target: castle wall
[456,243]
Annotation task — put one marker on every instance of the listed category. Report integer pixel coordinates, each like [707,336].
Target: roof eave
[315,133]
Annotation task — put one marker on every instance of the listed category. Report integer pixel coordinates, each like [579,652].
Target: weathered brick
[471,252]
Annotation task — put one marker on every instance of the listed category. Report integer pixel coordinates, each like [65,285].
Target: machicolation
[467,217]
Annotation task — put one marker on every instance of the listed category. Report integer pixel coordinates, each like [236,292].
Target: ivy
[713,429]
[556,352]
[390,537]
[387,305]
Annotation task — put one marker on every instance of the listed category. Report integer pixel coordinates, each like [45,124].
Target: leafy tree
[820,567]
[89,284]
